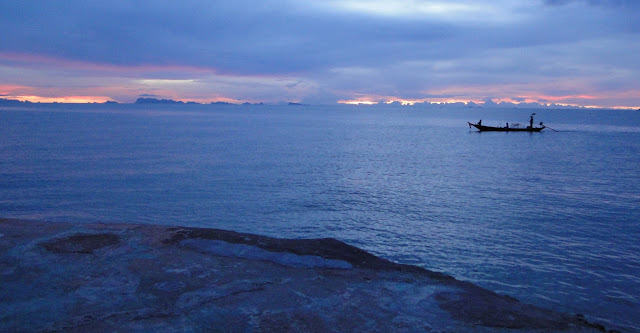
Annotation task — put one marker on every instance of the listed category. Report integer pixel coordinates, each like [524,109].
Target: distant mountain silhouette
[12,102]
[143,100]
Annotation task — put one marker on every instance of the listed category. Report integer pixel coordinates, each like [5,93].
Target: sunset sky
[577,52]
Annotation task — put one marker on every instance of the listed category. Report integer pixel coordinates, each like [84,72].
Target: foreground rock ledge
[107,277]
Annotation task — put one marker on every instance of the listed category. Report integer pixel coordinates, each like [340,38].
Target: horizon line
[78,100]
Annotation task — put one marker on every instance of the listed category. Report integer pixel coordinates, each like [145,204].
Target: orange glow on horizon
[357,102]
[361,101]
[61,99]
[102,99]
[390,100]
[543,101]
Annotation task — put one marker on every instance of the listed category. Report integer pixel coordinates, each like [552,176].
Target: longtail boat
[516,128]
[483,128]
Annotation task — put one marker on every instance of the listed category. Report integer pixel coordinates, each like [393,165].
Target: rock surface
[108,277]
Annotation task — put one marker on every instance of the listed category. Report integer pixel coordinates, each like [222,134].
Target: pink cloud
[8,89]
[39,61]
[62,99]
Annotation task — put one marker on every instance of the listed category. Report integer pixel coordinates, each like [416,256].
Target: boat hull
[483,128]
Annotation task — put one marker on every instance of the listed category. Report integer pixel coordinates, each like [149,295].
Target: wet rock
[158,278]
[482,307]
[292,322]
[81,243]
[169,286]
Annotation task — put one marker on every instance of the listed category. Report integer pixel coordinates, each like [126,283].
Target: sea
[551,218]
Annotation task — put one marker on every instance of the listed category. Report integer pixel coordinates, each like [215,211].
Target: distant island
[150,100]
[12,102]
[143,100]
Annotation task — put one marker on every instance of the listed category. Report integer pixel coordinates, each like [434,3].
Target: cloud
[293,85]
[275,37]
[476,11]
[311,50]
[598,3]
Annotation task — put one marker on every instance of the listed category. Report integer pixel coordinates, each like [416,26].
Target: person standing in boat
[480,122]
[531,120]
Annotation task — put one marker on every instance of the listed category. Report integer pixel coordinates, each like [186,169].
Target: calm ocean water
[552,218]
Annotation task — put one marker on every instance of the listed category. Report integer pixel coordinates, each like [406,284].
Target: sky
[569,52]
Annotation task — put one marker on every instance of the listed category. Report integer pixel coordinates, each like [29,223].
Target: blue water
[551,218]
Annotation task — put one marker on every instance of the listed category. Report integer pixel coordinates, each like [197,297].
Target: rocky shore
[126,277]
